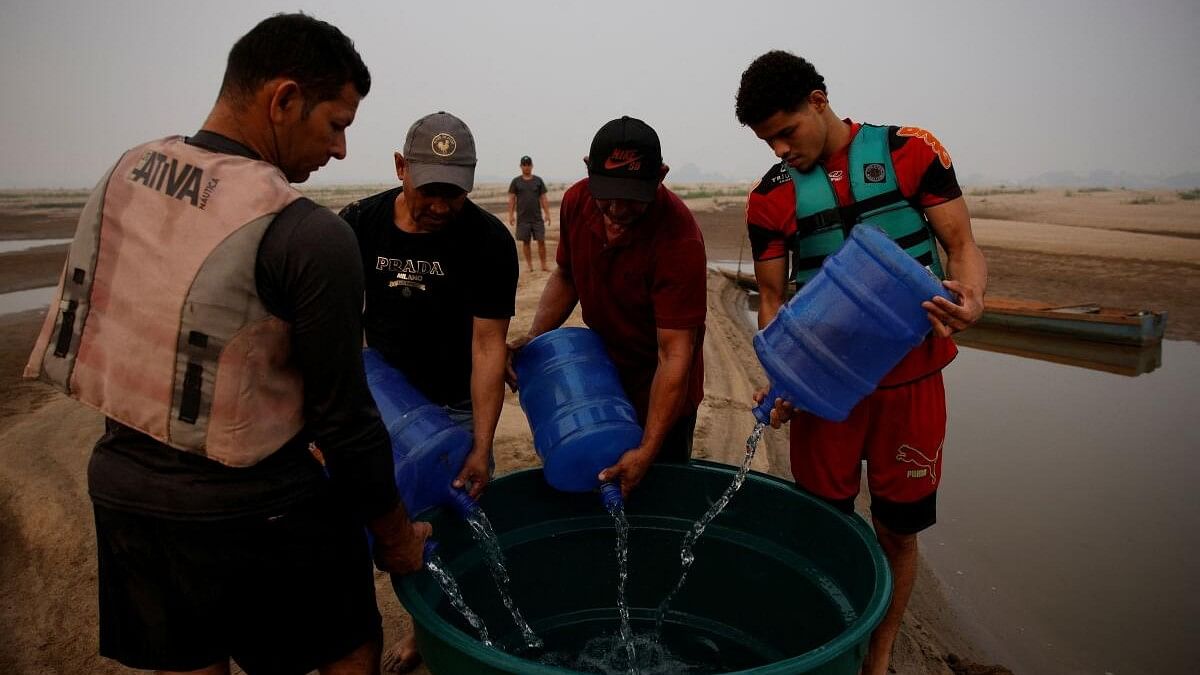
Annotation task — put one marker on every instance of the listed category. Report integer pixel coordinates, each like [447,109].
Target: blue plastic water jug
[582,421]
[428,448]
[846,328]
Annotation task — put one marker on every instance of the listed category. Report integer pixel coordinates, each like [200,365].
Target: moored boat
[1085,322]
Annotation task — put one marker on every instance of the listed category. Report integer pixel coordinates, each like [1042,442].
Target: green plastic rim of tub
[782,582]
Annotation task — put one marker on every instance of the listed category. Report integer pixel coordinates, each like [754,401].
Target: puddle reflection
[23,301]
[1069,526]
[1119,359]
[15,245]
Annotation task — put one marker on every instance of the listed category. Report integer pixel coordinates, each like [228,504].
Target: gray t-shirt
[528,192]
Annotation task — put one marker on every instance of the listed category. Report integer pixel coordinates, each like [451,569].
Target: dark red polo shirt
[652,277]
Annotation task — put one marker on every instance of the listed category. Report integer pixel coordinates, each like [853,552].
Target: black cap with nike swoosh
[624,161]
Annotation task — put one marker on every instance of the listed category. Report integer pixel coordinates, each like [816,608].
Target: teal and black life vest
[822,225]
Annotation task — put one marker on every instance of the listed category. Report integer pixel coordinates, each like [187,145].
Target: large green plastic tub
[782,582]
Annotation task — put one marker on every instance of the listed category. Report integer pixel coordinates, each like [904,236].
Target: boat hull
[1083,322]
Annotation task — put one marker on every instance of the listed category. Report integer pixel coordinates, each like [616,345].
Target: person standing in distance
[212,314]
[833,174]
[441,288]
[527,198]
[632,257]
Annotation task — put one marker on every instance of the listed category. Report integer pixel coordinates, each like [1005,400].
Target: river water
[1069,522]
[22,301]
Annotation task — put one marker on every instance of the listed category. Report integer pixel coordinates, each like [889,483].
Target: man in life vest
[833,174]
[632,257]
[212,314]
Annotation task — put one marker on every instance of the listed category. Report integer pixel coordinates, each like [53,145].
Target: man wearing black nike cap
[631,255]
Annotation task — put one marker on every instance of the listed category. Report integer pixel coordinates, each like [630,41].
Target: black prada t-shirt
[424,290]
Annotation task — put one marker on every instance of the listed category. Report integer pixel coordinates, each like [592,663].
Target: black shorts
[283,594]
[527,231]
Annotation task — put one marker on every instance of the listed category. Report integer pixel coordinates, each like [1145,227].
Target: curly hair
[776,81]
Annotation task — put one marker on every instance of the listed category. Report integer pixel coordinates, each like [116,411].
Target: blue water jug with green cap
[581,419]
[847,327]
[428,448]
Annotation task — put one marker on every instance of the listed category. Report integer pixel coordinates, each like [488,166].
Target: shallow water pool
[1069,520]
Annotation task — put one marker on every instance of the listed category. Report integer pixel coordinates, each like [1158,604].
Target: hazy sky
[1012,88]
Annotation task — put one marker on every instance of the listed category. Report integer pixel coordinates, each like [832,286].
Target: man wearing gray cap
[441,284]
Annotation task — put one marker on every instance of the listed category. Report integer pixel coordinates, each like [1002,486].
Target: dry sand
[47,553]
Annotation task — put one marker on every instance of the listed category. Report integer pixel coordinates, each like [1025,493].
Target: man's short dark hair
[318,56]
[774,82]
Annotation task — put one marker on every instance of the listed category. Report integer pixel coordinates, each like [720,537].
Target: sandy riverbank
[47,558]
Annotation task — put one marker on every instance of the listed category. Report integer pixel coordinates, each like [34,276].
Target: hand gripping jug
[833,342]
[582,421]
[428,448]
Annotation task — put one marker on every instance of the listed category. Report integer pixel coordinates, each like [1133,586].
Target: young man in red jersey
[835,173]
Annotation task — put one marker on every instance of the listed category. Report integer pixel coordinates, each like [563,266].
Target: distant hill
[685,173]
[690,173]
[1097,178]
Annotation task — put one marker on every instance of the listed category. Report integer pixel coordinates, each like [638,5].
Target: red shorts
[899,432]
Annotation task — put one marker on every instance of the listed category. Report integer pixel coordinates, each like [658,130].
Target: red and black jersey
[924,173]
[925,176]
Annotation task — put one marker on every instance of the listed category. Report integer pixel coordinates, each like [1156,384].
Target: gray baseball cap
[439,148]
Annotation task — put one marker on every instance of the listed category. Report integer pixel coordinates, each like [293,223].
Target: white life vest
[157,321]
